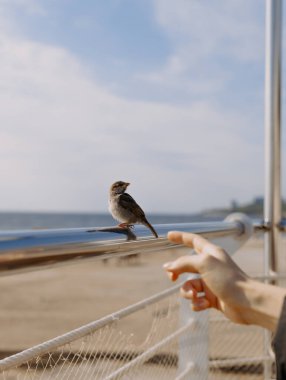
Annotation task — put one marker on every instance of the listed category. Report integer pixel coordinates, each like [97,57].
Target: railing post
[272,202]
[194,345]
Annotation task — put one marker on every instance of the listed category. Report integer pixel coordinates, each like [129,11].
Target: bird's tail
[147,224]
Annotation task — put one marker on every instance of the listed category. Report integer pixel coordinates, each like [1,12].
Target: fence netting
[152,350]
[115,350]
[156,338]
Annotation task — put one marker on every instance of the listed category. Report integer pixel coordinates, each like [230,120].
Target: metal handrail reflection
[25,250]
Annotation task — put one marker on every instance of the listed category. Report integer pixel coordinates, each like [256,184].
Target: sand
[40,305]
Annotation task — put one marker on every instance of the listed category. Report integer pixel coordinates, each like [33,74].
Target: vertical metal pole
[272,205]
[272,201]
[193,345]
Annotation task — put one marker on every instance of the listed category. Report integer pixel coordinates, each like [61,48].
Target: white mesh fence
[156,338]
[111,349]
[236,351]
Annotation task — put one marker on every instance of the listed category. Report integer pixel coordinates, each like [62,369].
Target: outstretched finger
[189,264]
[197,242]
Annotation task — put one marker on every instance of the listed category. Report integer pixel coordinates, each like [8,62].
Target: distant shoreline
[45,220]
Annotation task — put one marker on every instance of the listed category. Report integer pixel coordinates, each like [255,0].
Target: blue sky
[166,95]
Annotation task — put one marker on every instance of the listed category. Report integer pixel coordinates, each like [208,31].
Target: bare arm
[224,285]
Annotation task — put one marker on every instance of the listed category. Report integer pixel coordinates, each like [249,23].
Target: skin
[223,285]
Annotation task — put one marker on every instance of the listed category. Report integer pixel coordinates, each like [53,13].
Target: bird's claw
[125,225]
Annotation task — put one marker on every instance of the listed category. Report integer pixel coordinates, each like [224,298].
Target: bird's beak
[127,184]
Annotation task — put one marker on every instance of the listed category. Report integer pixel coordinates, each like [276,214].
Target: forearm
[262,303]
[224,285]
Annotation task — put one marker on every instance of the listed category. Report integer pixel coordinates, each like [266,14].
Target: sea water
[40,220]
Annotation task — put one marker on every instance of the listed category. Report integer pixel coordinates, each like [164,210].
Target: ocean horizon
[12,220]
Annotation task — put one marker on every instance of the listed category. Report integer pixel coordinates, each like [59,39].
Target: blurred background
[167,95]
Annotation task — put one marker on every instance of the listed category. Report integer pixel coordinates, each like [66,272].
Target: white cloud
[32,6]
[231,28]
[203,35]
[65,139]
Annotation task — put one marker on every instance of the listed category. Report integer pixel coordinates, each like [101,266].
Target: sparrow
[125,209]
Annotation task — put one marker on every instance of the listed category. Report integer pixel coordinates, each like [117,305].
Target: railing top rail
[21,250]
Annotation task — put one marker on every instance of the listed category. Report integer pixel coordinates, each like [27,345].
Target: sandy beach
[40,305]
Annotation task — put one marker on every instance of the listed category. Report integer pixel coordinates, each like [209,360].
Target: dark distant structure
[234,205]
[253,208]
[258,201]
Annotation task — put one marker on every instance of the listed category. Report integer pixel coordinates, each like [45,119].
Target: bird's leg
[125,225]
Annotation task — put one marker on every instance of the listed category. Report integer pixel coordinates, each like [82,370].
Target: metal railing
[26,250]
[272,116]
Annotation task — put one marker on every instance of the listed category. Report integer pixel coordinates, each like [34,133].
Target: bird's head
[119,187]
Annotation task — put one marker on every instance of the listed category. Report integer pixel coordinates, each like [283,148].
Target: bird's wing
[127,202]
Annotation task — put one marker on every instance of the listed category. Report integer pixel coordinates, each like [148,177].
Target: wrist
[261,303]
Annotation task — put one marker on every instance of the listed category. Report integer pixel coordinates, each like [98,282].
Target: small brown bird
[124,208]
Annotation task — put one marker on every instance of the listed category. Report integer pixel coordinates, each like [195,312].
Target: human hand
[222,284]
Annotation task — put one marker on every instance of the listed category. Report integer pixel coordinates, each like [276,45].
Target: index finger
[197,242]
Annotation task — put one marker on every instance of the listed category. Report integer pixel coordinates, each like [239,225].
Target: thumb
[184,264]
